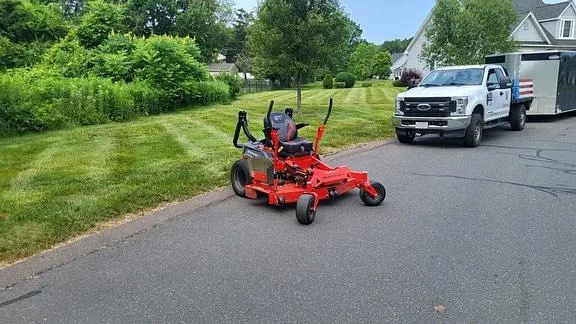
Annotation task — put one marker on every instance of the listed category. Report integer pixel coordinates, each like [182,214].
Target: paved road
[475,235]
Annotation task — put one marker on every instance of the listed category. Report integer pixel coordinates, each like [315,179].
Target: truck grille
[428,107]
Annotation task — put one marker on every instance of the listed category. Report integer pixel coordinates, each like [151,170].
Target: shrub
[32,102]
[348,78]
[212,91]
[409,75]
[320,73]
[233,82]
[367,84]
[68,57]
[397,83]
[340,85]
[14,55]
[167,63]
[328,82]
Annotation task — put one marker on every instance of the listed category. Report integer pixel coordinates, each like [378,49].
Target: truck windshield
[459,77]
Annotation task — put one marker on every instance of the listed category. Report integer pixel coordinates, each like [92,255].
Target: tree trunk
[299,94]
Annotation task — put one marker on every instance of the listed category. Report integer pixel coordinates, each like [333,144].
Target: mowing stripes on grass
[56,185]
[191,149]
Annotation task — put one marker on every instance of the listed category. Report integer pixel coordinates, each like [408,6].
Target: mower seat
[291,144]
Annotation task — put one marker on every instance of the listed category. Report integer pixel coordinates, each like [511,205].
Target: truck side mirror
[505,83]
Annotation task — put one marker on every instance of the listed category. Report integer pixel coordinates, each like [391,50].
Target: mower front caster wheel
[305,212]
[373,201]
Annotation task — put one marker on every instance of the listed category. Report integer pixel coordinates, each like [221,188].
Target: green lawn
[57,185]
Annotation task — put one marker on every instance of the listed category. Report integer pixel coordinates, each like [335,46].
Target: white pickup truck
[461,101]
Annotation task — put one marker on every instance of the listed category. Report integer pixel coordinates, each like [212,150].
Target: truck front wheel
[405,139]
[474,131]
[518,118]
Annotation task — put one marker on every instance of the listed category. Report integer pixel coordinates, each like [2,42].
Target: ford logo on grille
[424,107]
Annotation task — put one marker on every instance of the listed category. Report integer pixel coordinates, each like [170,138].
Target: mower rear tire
[305,212]
[240,177]
[373,201]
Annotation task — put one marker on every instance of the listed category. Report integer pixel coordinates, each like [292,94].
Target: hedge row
[124,77]
[39,100]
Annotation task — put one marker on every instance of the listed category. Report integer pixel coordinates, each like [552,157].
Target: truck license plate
[422,125]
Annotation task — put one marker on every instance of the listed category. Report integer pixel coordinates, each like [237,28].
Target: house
[541,27]
[398,60]
[219,68]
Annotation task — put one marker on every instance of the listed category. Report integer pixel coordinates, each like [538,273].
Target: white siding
[414,59]
[530,35]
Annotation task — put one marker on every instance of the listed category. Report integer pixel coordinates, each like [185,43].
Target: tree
[27,29]
[465,32]
[362,60]
[244,64]
[381,65]
[396,45]
[290,39]
[101,20]
[239,44]
[205,20]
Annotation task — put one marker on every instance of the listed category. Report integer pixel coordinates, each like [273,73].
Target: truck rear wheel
[405,139]
[474,131]
[518,118]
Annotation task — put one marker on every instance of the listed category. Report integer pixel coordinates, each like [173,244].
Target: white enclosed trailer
[553,74]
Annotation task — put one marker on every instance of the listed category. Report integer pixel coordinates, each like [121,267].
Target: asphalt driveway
[475,235]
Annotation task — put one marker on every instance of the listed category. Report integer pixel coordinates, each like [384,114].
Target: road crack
[553,191]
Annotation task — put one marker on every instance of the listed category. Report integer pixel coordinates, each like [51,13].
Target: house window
[526,25]
[567,29]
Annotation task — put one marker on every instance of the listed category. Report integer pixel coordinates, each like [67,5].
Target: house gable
[529,30]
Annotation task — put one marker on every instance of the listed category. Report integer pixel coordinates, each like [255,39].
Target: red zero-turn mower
[288,170]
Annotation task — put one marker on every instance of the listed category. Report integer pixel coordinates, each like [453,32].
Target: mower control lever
[269,112]
[242,123]
[329,112]
[302,125]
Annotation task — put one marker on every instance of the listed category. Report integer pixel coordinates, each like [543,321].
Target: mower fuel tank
[256,150]
[260,161]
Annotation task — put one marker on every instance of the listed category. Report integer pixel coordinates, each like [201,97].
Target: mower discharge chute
[287,168]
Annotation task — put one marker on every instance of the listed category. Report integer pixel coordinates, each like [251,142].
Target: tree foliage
[205,20]
[290,39]
[381,65]
[396,45]
[102,19]
[362,60]
[465,32]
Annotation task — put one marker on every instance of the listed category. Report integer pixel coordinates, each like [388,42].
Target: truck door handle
[501,93]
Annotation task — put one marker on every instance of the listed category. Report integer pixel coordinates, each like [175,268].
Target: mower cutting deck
[287,168]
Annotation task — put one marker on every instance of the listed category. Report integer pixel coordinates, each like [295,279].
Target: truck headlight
[461,105]
[399,102]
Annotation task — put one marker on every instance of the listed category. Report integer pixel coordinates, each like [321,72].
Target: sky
[381,20]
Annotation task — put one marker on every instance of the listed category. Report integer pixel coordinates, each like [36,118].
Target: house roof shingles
[555,41]
[525,6]
[550,11]
[396,57]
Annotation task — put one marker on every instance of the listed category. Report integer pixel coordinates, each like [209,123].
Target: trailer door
[567,82]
